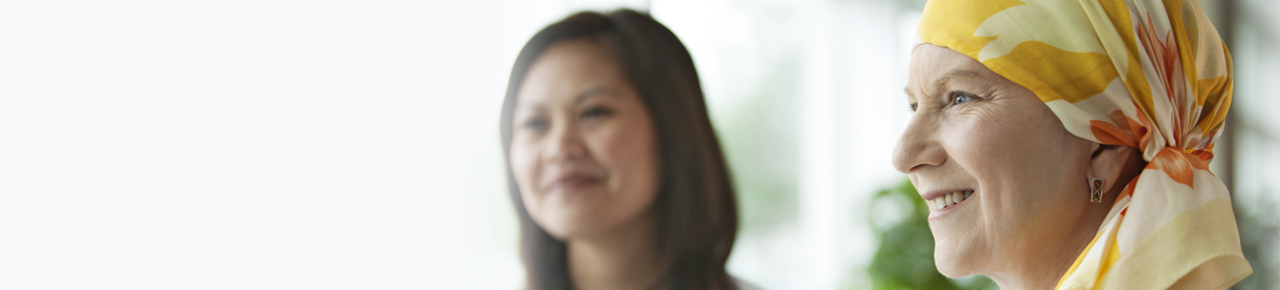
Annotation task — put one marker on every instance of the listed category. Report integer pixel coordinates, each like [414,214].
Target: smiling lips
[573,182]
[948,200]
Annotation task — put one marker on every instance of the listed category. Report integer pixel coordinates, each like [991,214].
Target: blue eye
[960,98]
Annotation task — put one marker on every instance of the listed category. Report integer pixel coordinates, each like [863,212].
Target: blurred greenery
[1258,234]
[904,259]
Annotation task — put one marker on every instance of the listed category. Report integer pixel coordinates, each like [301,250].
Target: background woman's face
[583,150]
[982,136]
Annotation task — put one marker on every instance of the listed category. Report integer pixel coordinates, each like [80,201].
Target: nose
[565,144]
[918,146]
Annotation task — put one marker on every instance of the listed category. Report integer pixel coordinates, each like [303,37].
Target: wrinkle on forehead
[943,65]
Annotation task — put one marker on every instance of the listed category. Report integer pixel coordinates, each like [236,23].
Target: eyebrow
[577,100]
[955,73]
[942,81]
[593,91]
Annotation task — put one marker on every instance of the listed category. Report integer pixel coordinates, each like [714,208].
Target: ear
[1110,162]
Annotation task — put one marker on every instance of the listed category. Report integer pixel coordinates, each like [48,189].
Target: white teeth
[948,200]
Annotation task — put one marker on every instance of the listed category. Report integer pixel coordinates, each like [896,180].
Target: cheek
[997,155]
[625,148]
[1023,162]
[977,147]
[525,169]
[627,152]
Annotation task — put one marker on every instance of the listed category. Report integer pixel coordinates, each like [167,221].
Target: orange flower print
[1164,56]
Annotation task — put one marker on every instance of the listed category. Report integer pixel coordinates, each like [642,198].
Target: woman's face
[1010,176]
[583,150]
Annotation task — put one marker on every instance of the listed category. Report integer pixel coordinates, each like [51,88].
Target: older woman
[1064,144]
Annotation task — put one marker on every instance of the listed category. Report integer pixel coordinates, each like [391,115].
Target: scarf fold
[1149,74]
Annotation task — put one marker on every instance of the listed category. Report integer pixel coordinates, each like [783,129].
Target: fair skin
[1020,210]
[584,156]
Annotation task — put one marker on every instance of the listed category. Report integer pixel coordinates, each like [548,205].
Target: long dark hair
[697,216]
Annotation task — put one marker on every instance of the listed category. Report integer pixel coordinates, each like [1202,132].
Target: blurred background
[354,145]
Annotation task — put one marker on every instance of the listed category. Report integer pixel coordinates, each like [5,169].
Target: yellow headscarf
[1148,74]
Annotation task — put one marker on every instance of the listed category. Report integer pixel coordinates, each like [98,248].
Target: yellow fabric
[1148,74]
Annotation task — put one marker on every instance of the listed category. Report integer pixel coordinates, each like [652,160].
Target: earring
[1095,190]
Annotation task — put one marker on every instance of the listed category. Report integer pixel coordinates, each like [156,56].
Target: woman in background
[1065,144]
[616,174]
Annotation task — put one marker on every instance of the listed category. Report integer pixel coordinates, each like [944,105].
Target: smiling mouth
[948,200]
[574,182]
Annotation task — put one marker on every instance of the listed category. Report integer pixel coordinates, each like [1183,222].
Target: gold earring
[1095,190]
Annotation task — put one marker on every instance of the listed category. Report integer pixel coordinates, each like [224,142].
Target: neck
[623,258]
[1050,261]
[1044,269]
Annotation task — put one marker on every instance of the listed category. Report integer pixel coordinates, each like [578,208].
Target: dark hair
[697,216]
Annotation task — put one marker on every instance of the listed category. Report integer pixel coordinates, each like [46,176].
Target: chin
[562,228]
[947,266]
[954,261]
[566,222]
